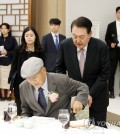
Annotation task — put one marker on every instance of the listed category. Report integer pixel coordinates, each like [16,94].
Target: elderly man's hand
[77,106]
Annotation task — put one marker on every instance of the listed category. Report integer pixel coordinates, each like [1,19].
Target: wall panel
[17,13]
[43,10]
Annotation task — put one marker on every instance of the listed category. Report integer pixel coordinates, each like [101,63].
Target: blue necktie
[41,99]
[56,41]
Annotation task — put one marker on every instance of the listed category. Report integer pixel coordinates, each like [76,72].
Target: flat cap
[31,67]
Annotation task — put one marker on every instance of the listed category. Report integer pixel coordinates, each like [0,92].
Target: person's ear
[90,33]
[44,68]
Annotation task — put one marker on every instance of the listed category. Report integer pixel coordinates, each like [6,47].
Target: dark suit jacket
[96,69]
[50,51]
[111,30]
[59,83]
[9,44]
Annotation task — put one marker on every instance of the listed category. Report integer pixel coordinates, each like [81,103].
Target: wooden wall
[17,13]
[43,11]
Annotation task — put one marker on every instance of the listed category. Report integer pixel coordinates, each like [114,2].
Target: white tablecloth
[44,125]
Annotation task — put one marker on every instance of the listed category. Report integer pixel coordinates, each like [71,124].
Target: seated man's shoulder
[24,83]
[57,76]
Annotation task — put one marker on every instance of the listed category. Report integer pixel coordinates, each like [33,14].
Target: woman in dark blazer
[7,46]
[30,46]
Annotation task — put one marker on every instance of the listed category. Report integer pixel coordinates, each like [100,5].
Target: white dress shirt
[118,31]
[54,37]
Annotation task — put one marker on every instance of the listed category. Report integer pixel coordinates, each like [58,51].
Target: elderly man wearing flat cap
[44,94]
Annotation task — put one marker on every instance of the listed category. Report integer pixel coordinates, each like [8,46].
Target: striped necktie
[41,99]
[82,61]
[56,41]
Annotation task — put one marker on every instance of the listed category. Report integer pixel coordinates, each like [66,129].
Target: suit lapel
[60,38]
[51,40]
[33,100]
[51,87]
[114,28]
[90,55]
[73,49]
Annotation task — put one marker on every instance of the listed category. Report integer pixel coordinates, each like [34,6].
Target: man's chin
[36,86]
[80,46]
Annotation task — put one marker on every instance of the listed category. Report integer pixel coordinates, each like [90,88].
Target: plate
[42,120]
[81,124]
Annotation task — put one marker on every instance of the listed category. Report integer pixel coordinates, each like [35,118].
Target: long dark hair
[37,44]
[8,27]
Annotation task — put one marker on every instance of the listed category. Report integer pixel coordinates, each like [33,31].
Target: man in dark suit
[112,39]
[50,43]
[86,59]
[44,94]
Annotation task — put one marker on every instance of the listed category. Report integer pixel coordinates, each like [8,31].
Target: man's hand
[113,45]
[77,106]
[89,101]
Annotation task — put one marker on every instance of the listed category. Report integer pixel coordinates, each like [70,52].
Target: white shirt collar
[53,34]
[85,48]
[117,22]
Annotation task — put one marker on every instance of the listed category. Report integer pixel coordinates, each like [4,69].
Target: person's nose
[78,40]
[29,37]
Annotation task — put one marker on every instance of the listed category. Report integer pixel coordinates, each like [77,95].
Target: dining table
[46,125]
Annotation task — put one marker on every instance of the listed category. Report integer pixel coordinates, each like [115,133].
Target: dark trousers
[18,103]
[113,66]
[98,118]
[17,99]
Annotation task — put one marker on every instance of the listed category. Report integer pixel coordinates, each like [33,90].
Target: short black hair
[55,21]
[82,22]
[117,8]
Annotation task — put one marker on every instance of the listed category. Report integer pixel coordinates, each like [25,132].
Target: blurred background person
[7,45]
[112,39]
[50,43]
[30,46]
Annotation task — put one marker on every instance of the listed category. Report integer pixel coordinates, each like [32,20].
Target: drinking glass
[63,117]
[12,110]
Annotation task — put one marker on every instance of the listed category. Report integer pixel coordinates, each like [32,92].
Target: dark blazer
[9,44]
[111,30]
[59,83]
[96,69]
[50,51]
[19,58]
